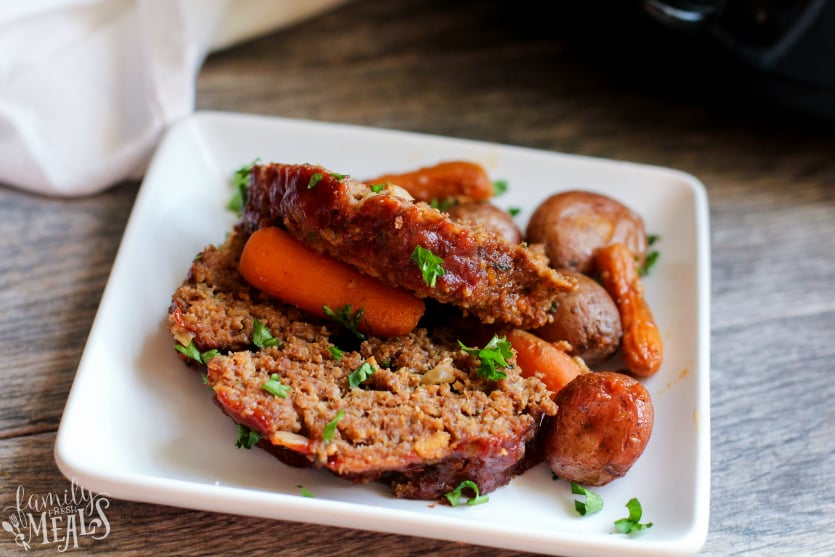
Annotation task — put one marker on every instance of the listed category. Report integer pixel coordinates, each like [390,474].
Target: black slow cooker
[786,46]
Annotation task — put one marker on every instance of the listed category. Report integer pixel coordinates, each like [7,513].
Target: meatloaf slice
[423,422]
[377,232]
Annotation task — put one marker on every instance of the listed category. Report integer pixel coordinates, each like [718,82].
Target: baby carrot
[539,358]
[278,264]
[641,346]
[461,180]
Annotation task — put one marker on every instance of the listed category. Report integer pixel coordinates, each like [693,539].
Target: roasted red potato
[586,318]
[574,224]
[489,216]
[602,426]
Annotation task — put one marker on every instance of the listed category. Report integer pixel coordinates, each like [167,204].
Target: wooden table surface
[490,72]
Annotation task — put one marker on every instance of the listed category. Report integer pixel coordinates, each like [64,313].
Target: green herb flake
[592,504]
[330,427]
[315,178]
[360,375]
[494,355]
[344,317]
[499,187]
[652,256]
[304,492]
[191,351]
[442,205]
[336,352]
[339,177]
[632,523]
[454,496]
[262,337]
[275,387]
[377,188]
[651,260]
[240,183]
[514,211]
[430,265]
[246,437]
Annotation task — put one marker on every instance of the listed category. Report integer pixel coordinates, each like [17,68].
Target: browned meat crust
[376,232]
[422,423]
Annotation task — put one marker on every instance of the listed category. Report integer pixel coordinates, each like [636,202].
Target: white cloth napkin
[87,87]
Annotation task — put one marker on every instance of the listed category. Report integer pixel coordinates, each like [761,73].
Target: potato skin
[488,216]
[602,426]
[588,319]
[572,224]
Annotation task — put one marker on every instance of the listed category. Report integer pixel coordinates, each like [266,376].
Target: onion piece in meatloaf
[377,231]
[422,423]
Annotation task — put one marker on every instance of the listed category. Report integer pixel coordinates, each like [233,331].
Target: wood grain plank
[56,255]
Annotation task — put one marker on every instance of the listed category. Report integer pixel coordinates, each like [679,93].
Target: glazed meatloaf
[376,231]
[420,418]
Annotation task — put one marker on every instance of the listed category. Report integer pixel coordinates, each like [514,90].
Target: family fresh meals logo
[56,520]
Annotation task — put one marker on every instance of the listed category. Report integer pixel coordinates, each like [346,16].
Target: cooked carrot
[641,347]
[539,358]
[278,264]
[461,180]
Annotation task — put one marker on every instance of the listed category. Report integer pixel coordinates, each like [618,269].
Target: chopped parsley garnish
[240,181]
[593,503]
[344,317]
[304,492]
[494,355]
[336,352]
[652,257]
[315,178]
[430,265]
[360,374]
[246,437]
[338,176]
[633,522]
[262,337]
[191,351]
[499,187]
[275,387]
[454,496]
[377,188]
[330,427]
[441,204]
[513,211]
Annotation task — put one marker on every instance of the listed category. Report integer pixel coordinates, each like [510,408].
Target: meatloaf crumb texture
[422,423]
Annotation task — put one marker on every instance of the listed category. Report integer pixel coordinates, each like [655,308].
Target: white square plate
[139,425]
